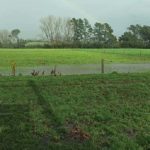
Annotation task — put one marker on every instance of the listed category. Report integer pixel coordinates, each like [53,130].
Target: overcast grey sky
[25,14]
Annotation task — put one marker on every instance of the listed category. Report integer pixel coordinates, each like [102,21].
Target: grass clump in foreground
[85,112]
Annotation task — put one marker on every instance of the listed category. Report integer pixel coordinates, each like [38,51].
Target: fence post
[102,66]
[13,68]
[140,53]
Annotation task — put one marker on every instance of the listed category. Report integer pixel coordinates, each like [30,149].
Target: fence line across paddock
[106,66]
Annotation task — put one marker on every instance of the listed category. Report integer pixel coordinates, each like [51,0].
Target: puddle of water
[131,68]
[81,69]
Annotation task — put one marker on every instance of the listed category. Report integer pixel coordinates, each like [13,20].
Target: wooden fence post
[13,68]
[102,66]
[140,53]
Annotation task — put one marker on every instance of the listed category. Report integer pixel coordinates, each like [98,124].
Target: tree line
[59,32]
[77,33]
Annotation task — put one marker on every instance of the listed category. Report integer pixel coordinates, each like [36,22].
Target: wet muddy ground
[80,69]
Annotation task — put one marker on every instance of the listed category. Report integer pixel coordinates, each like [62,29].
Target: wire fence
[105,66]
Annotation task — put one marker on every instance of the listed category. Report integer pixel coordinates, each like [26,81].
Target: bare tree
[48,27]
[68,30]
[56,29]
[5,38]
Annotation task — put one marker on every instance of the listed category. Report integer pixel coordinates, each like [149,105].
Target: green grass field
[89,112]
[38,57]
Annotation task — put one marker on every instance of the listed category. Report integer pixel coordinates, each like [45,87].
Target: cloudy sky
[25,14]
